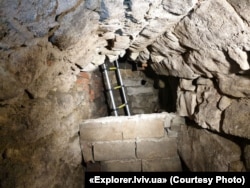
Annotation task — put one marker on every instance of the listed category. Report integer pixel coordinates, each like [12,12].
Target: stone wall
[146,92]
[39,134]
[146,142]
[213,152]
[45,46]
[156,142]
[138,87]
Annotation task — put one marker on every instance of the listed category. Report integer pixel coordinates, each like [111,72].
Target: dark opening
[143,82]
[167,86]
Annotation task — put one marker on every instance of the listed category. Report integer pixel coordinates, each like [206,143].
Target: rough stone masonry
[51,49]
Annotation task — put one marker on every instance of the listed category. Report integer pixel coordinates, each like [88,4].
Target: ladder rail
[122,88]
[109,89]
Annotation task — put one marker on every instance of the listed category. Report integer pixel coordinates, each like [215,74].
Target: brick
[80,81]
[162,165]
[132,82]
[142,90]
[100,131]
[82,84]
[138,101]
[91,95]
[85,75]
[156,148]
[143,128]
[87,151]
[121,166]
[114,150]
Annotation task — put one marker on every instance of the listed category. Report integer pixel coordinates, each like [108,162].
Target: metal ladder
[110,89]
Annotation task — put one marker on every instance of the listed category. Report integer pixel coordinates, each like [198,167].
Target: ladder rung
[118,87]
[121,106]
[114,88]
[112,68]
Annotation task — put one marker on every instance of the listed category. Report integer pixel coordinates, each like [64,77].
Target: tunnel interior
[185,73]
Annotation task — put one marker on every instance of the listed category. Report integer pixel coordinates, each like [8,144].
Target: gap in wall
[146,92]
[167,90]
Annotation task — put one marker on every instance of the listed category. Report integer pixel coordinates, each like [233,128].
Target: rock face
[237,126]
[49,81]
[212,153]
